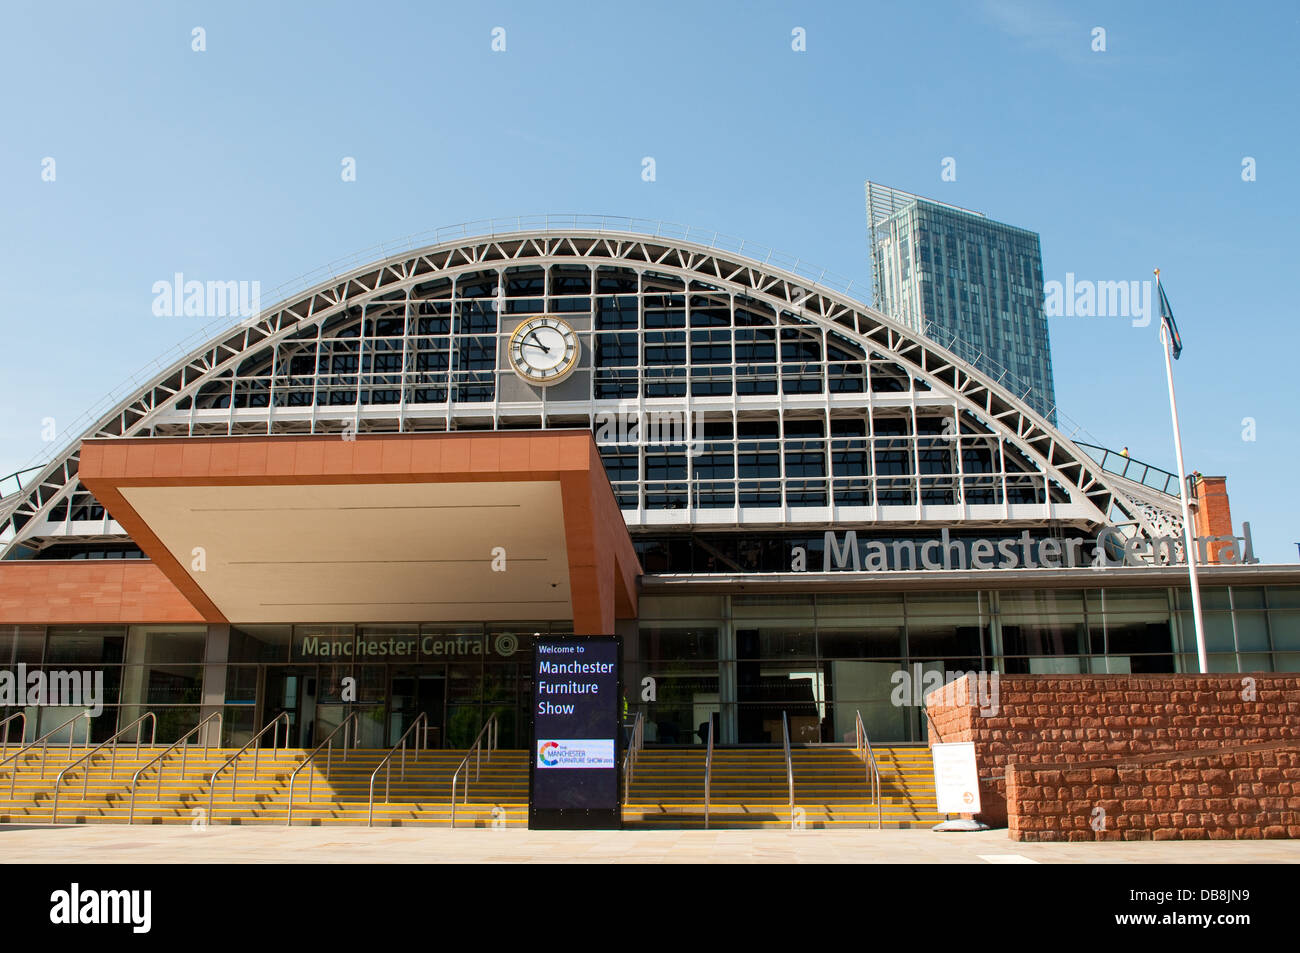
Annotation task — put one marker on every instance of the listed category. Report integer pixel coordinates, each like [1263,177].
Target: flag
[1167,319]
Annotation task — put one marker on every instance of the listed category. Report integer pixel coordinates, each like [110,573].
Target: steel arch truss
[55,506]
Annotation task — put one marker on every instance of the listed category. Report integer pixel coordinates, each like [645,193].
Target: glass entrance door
[292,690]
[779,676]
[416,690]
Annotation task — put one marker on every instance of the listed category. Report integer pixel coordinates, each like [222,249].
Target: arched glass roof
[797,405]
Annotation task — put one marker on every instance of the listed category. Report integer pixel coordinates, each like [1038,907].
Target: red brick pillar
[1212,515]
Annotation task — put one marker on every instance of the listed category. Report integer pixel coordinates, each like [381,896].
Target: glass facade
[739,659]
[651,335]
[799,440]
[744,659]
[457,675]
[971,284]
[799,412]
[795,408]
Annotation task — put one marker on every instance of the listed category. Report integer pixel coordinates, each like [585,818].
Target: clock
[544,350]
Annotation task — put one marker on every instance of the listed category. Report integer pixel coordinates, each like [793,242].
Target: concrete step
[749,789]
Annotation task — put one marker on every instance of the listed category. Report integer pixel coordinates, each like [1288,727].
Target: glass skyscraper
[973,285]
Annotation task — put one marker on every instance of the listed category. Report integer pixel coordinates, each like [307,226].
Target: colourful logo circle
[544,754]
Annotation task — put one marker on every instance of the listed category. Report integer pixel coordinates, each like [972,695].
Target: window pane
[21,643]
[1252,632]
[1286,629]
[85,645]
[259,643]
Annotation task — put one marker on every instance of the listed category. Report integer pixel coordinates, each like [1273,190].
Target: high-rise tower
[967,282]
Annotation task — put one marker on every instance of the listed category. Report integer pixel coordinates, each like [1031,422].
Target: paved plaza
[276,845]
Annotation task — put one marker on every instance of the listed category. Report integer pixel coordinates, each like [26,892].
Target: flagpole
[1189,538]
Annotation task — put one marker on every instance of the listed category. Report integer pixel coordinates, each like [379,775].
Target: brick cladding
[1162,756]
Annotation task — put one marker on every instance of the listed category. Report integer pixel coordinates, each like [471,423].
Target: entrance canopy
[376,527]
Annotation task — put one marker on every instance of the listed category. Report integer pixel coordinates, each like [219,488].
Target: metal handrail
[328,744]
[708,776]
[789,765]
[130,817]
[873,770]
[477,746]
[388,762]
[44,742]
[634,747]
[234,779]
[17,476]
[1147,474]
[138,725]
[5,725]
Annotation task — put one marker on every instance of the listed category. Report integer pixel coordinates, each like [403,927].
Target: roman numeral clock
[544,350]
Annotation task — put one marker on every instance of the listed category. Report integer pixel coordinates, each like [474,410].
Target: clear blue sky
[225,164]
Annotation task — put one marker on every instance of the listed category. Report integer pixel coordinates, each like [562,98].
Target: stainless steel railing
[5,725]
[234,759]
[17,477]
[1121,464]
[708,775]
[89,757]
[44,742]
[328,746]
[863,748]
[491,730]
[789,764]
[388,763]
[181,743]
[634,747]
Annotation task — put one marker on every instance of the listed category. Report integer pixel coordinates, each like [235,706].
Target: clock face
[544,350]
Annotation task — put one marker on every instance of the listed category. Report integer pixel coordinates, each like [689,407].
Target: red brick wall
[1090,718]
[1235,792]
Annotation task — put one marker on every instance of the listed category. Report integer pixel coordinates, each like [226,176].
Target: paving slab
[73,844]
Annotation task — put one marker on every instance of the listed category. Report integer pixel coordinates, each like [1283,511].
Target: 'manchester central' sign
[1110,549]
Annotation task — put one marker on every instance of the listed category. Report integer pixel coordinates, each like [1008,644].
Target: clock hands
[539,343]
[556,340]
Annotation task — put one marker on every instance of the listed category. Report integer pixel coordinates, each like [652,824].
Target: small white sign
[956,778]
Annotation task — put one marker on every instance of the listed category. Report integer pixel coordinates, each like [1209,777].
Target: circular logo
[967,797]
[507,644]
[546,754]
